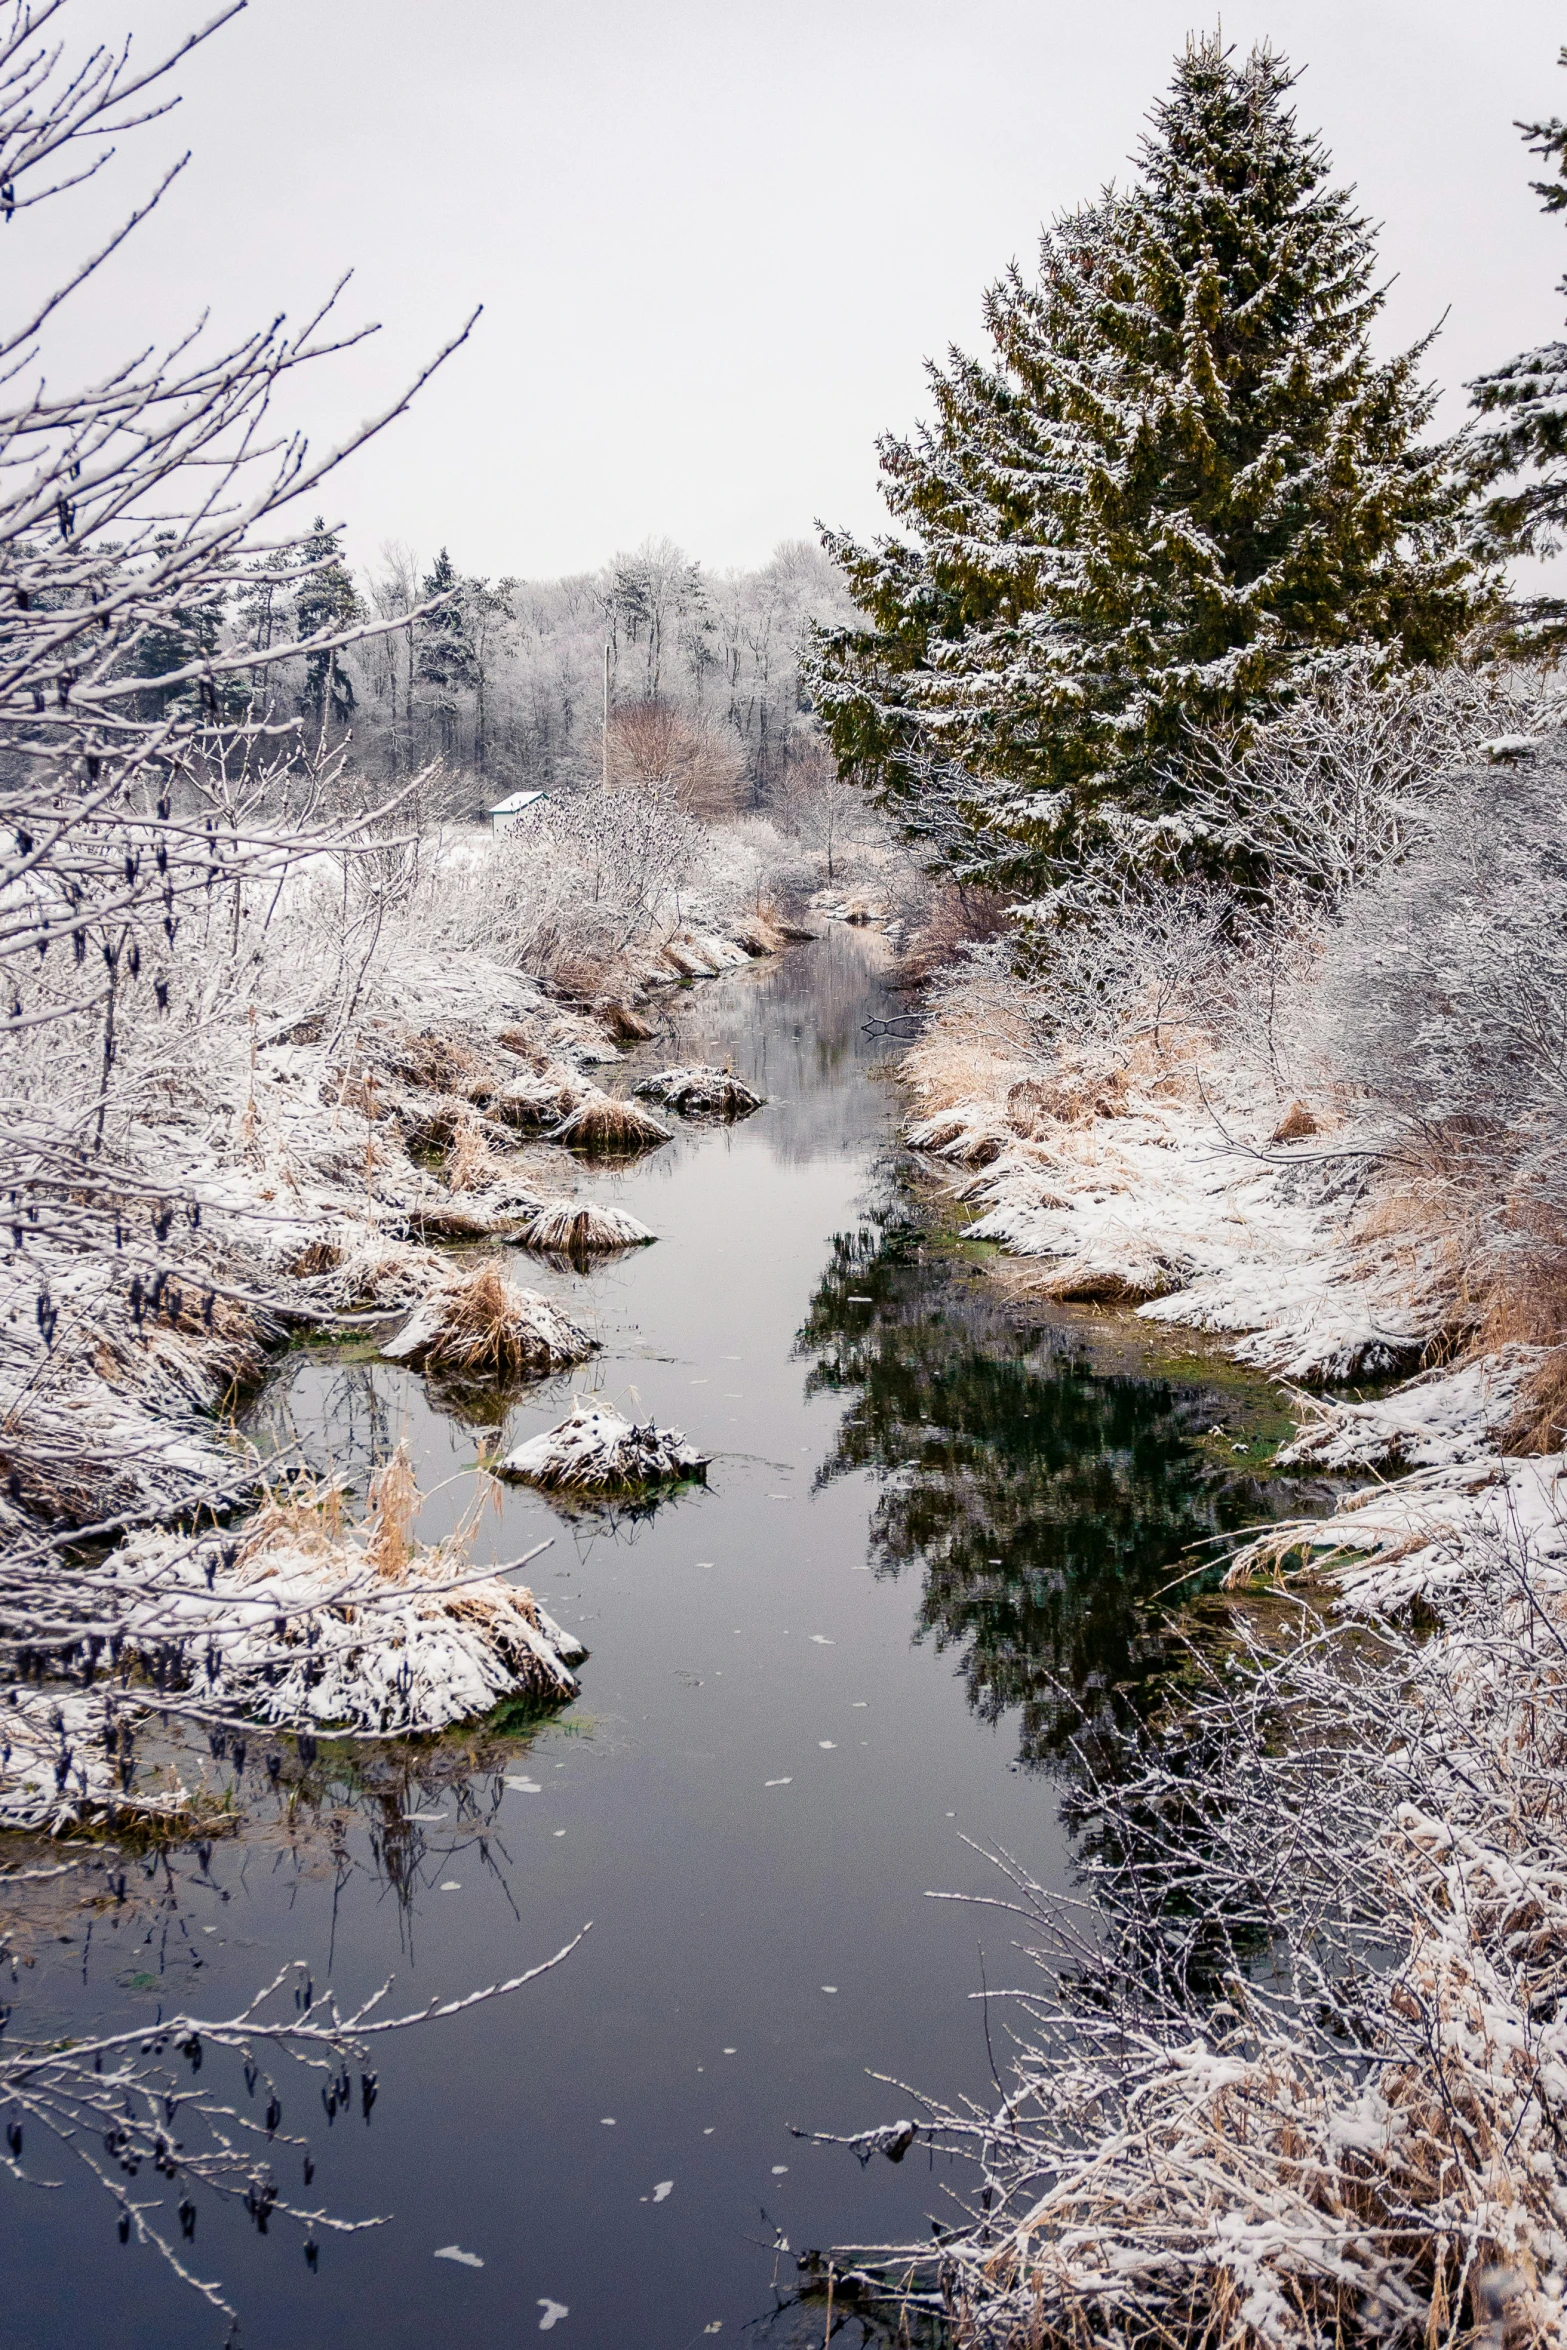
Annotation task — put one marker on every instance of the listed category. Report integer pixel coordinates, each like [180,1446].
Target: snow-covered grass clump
[700,1092]
[594,1451]
[583,1227]
[485,1328]
[306,1620]
[604,1126]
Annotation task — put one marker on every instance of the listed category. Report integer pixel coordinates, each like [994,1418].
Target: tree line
[503,681]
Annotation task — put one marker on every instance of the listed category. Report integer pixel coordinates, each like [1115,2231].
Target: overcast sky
[715,239]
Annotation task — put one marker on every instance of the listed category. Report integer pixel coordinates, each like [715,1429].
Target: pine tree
[187,630]
[446,657]
[1528,398]
[326,600]
[1183,484]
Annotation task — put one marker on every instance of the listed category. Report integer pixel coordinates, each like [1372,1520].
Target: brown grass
[606,1125]
[579,1228]
[491,1330]
[317,1256]
[525,1045]
[443,1064]
[394,1505]
[625,1025]
[765,932]
[470,1165]
[1527,1306]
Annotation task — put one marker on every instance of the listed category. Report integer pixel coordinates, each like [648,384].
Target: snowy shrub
[1341,782]
[1293,2058]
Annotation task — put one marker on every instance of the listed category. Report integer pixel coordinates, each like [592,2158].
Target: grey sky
[715,239]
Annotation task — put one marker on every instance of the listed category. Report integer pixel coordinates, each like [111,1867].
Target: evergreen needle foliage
[1183,487]
[1526,445]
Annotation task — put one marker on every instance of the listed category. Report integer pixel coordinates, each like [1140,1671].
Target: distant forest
[504,681]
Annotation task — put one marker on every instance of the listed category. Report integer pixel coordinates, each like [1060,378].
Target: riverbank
[1298,2074]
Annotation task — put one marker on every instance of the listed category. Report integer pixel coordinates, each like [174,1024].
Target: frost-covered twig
[123,2100]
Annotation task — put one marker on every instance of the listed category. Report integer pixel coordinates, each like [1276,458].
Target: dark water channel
[807,1687]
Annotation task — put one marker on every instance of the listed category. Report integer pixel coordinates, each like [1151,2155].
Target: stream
[816,1691]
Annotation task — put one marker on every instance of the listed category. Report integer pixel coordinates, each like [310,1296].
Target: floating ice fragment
[664,2187]
[779,2169]
[424,1819]
[830,1988]
[827,1744]
[456,2252]
[731,2051]
[451,1885]
[822,1640]
[608,2120]
[526,1786]
[554,2311]
[560,1831]
[777,1782]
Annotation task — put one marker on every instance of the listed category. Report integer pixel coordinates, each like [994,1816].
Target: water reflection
[1046,1503]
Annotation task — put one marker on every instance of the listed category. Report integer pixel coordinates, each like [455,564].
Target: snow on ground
[1197,1217]
[1445,1417]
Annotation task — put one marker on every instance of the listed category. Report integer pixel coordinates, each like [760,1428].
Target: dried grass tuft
[394,1507]
[606,1125]
[471,1165]
[1298,1121]
[487,1329]
[525,1045]
[623,1023]
[443,1064]
[579,1228]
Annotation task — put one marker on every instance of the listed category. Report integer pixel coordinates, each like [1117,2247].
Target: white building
[506,813]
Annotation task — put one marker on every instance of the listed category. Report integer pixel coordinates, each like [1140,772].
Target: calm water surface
[812,1691]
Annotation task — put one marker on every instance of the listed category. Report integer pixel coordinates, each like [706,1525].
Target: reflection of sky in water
[771,1763]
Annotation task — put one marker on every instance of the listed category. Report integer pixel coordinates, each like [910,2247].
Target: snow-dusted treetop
[1182,484]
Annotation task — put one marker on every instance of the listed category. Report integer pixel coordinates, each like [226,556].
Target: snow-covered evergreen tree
[1528,400]
[326,599]
[1183,484]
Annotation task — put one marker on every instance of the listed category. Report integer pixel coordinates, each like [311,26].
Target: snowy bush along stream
[927,1521]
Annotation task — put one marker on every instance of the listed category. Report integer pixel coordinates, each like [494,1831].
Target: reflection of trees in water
[1045,1503]
[346,1432]
[796,1030]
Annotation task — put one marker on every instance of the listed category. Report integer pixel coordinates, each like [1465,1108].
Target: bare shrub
[1340,783]
[653,745]
[1291,2059]
[950,918]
